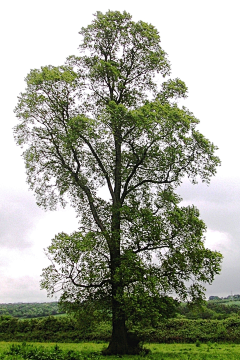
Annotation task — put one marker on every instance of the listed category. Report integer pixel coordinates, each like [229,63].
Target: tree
[100,132]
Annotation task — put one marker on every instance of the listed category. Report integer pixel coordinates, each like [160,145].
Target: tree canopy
[105,132]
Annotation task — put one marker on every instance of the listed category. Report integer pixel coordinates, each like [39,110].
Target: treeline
[211,310]
[30,310]
[66,329]
[215,310]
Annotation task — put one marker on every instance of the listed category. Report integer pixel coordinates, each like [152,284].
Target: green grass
[158,351]
[192,352]
[81,347]
[225,302]
[233,302]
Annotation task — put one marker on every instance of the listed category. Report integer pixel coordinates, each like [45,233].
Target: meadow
[84,351]
[210,333]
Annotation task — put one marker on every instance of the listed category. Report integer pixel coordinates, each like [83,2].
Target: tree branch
[100,164]
[103,282]
[84,187]
[149,248]
[134,170]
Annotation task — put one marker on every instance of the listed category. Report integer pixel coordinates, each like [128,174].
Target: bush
[168,331]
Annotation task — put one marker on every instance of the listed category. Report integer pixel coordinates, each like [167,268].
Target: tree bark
[122,342]
[118,343]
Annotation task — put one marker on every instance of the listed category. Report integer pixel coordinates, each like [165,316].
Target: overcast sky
[201,38]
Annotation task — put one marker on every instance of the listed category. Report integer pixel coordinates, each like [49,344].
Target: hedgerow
[68,329]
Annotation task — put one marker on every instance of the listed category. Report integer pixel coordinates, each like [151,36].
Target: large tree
[105,132]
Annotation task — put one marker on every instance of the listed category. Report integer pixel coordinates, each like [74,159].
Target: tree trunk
[119,340]
[122,342]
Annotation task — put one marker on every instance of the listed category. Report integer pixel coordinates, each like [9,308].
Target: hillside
[30,310]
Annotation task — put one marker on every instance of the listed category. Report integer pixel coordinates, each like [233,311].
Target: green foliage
[41,353]
[103,122]
[189,331]
[149,311]
[58,329]
[30,310]
[210,310]
[166,331]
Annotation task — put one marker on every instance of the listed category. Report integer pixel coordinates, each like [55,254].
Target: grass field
[225,302]
[158,351]
[232,302]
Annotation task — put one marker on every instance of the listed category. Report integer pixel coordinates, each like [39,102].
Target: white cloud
[22,289]
[216,240]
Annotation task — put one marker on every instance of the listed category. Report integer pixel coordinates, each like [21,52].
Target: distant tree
[214,298]
[102,133]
